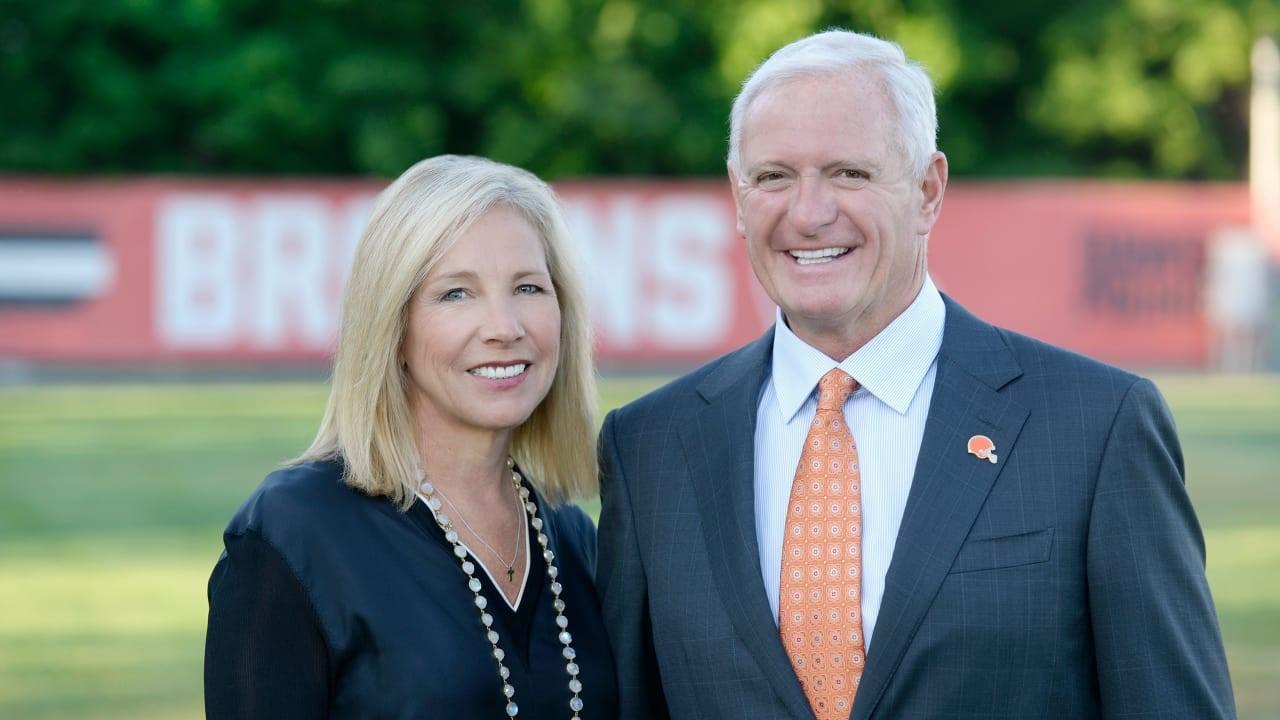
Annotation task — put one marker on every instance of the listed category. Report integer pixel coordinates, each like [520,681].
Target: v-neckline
[519,619]
[524,581]
[426,518]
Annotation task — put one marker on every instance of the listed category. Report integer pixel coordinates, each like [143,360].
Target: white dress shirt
[886,415]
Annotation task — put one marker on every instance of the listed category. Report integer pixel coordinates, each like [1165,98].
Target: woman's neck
[467,466]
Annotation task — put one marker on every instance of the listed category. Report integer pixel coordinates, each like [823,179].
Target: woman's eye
[529,289]
[452,295]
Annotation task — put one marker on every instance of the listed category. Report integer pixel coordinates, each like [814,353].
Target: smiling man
[886,507]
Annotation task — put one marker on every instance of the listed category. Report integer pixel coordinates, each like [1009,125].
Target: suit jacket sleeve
[1155,631]
[623,589]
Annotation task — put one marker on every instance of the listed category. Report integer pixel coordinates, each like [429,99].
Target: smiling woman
[418,559]
[483,331]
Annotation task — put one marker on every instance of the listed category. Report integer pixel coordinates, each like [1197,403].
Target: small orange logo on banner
[981,446]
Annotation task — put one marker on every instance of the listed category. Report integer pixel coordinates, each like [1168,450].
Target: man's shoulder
[675,395]
[689,392]
[1054,381]
[983,349]
[1043,362]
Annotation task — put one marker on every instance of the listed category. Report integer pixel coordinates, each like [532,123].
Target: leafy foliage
[601,87]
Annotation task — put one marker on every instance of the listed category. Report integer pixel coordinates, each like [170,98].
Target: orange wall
[196,271]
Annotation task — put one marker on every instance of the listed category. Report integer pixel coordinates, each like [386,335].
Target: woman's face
[483,338]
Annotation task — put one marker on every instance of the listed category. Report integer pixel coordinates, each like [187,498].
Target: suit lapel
[720,447]
[948,490]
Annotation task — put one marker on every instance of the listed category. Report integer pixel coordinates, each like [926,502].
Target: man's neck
[845,336]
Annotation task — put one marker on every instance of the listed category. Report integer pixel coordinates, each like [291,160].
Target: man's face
[835,221]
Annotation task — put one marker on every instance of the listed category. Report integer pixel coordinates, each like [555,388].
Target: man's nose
[813,205]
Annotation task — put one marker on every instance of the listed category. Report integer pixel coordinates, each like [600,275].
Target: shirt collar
[890,366]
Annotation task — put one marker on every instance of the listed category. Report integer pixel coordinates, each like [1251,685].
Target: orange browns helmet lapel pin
[981,446]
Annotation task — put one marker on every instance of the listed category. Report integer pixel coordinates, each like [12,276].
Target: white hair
[837,53]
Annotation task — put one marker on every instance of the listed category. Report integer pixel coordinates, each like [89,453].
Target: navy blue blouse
[328,603]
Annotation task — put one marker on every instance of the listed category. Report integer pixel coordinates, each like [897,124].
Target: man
[960,522]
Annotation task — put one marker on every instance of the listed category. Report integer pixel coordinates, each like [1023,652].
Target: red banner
[247,272]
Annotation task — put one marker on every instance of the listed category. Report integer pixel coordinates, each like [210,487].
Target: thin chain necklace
[469,568]
[510,567]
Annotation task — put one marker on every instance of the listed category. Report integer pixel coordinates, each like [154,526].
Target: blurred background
[182,182]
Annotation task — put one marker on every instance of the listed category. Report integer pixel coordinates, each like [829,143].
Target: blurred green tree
[1148,88]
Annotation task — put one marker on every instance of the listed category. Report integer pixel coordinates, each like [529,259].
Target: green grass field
[112,501]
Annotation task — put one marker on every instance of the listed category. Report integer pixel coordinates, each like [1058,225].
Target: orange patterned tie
[820,594]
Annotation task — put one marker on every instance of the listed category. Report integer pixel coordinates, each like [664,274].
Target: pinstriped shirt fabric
[886,415]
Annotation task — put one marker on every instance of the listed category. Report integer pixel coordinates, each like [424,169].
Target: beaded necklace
[510,567]
[469,568]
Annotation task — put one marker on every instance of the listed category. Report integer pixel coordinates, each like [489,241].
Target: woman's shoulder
[295,496]
[572,524]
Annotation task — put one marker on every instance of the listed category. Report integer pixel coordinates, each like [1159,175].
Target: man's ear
[736,187]
[932,187]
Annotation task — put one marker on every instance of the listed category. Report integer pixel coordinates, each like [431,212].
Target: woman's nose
[502,322]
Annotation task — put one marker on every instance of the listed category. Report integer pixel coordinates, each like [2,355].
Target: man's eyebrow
[767,164]
[863,162]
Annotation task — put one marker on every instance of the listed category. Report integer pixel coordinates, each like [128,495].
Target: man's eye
[453,295]
[852,174]
[529,289]
[768,177]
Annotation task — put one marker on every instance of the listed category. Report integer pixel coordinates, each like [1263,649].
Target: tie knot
[834,389]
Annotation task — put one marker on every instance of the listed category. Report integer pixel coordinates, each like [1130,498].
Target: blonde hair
[367,422]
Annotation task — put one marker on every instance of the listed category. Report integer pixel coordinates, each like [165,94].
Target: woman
[415,561]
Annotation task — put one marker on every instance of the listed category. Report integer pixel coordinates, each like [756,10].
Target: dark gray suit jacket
[1065,581]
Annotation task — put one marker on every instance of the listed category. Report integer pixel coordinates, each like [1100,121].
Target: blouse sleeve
[265,655]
